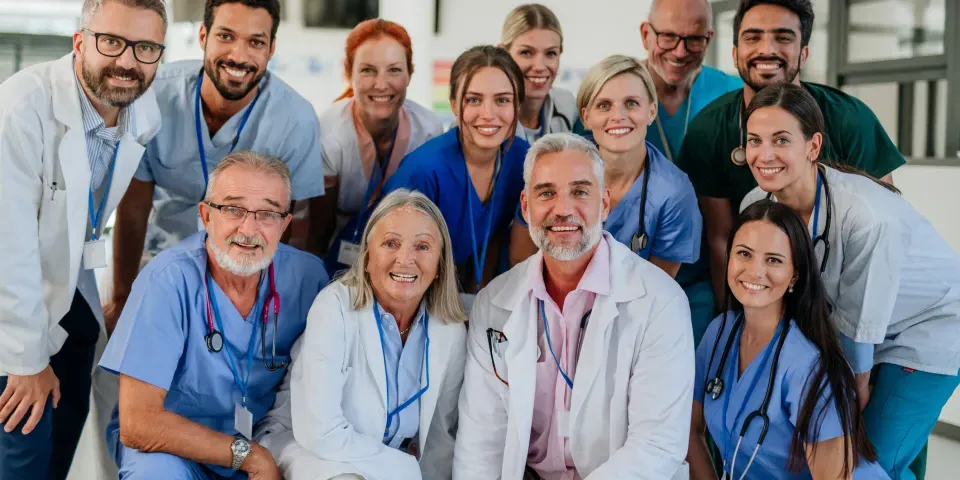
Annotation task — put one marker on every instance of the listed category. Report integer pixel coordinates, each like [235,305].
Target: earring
[790,290]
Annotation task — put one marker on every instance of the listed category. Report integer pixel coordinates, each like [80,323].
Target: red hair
[372,30]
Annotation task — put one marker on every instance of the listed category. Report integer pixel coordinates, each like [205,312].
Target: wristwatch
[240,449]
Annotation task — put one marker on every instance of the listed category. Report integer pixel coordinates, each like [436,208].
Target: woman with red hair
[366,133]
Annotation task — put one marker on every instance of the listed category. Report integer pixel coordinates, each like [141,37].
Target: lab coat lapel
[128,158]
[439,353]
[370,339]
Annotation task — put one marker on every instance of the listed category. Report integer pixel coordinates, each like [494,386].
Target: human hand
[27,393]
[260,464]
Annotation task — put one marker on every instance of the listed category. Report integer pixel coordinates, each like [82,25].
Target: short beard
[240,268]
[212,72]
[114,97]
[590,238]
[790,77]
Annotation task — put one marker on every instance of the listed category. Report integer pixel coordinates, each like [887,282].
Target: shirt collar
[421,310]
[596,278]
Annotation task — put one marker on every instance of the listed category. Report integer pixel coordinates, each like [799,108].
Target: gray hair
[562,142]
[442,299]
[255,161]
[92,7]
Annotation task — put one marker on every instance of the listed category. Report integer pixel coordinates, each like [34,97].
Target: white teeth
[488,130]
[767,66]
[122,78]
[403,278]
[770,171]
[235,73]
[676,64]
[753,286]
[381,99]
[619,131]
[563,229]
[538,81]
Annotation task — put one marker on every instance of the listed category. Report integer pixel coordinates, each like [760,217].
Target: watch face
[241,446]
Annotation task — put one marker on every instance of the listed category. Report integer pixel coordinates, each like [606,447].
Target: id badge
[243,421]
[349,252]
[95,254]
[563,423]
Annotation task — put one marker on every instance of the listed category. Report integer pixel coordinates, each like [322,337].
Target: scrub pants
[903,409]
[47,452]
[136,465]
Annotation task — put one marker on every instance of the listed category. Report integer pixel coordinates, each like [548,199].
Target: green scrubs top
[854,137]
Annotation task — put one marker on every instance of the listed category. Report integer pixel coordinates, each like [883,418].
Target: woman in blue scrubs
[758,363]
[617,101]
[532,35]
[893,282]
[474,172]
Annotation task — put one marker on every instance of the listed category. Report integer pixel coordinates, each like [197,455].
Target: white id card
[243,421]
[349,252]
[563,423]
[95,254]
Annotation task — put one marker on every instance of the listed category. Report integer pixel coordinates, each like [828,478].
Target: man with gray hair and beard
[72,133]
[205,338]
[580,359]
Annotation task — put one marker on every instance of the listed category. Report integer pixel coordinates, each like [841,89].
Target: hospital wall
[310,60]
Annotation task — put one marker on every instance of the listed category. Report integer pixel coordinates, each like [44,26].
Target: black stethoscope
[739,155]
[822,238]
[214,337]
[715,386]
[640,239]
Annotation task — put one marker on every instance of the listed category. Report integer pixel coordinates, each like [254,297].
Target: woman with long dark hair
[773,387]
[892,281]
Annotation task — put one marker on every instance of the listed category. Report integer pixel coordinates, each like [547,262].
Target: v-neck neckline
[232,310]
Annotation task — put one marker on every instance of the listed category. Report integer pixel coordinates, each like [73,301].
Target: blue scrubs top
[282,124]
[672,216]
[709,85]
[438,169]
[742,396]
[159,338]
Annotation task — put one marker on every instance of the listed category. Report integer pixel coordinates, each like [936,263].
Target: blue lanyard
[543,119]
[196,117]
[546,331]
[480,258]
[383,350]
[816,206]
[230,360]
[375,175]
[753,384]
[96,217]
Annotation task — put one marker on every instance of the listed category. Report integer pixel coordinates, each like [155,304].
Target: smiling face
[237,48]
[537,52]
[769,50]
[488,109]
[117,81]
[620,114]
[565,205]
[760,268]
[380,78]
[403,256]
[777,152]
[682,18]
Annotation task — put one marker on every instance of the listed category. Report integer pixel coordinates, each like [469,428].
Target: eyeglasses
[236,214]
[693,43]
[113,46]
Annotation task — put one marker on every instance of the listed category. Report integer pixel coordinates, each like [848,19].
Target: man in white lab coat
[72,132]
[528,409]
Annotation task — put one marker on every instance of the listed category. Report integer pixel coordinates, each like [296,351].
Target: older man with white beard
[205,337]
[586,297]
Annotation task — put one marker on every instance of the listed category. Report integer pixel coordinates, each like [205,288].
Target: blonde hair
[259,162]
[610,67]
[528,17]
[442,299]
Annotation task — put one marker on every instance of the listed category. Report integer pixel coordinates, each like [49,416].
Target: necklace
[405,330]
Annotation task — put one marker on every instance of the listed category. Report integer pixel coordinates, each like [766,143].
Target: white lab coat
[44,185]
[630,410]
[336,392]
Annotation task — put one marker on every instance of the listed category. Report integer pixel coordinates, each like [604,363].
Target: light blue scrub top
[159,338]
[798,361]
[672,216]
[282,124]
[404,364]
[709,85]
[438,170]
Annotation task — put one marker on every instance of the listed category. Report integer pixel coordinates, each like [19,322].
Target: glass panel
[891,29]
[883,99]
[929,131]
[723,42]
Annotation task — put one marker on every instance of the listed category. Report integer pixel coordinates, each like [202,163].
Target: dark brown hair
[470,62]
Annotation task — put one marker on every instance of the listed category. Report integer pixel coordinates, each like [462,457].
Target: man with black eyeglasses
[72,133]
[676,36]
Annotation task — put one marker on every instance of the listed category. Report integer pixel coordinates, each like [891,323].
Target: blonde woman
[377,373]
[532,35]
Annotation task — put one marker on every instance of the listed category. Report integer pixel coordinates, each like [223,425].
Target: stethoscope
[197,119]
[640,239]
[715,388]
[739,155]
[386,375]
[214,337]
[546,333]
[663,135]
[822,238]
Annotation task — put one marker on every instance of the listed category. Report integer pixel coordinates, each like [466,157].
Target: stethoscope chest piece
[739,156]
[715,388]
[214,341]
[639,242]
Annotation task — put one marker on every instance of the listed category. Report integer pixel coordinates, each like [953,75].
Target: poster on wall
[440,100]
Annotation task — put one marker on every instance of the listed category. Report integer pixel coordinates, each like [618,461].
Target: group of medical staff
[268,263]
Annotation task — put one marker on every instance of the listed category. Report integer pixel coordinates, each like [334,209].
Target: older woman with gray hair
[377,373]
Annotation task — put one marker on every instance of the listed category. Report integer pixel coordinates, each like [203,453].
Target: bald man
[676,36]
